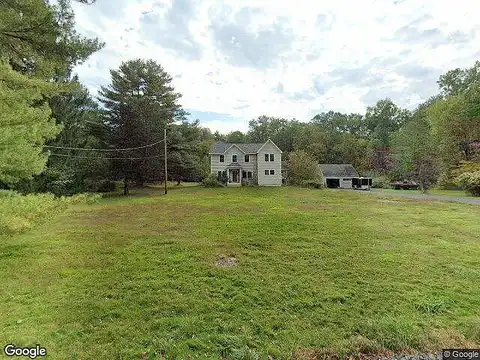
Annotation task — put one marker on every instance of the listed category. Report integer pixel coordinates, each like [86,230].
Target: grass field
[456,193]
[317,272]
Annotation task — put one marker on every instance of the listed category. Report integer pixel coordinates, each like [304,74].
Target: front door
[235,176]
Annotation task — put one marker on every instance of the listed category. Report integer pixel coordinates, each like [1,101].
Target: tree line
[56,137]
[432,144]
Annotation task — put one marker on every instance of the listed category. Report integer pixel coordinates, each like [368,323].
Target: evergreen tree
[139,104]
[25,124]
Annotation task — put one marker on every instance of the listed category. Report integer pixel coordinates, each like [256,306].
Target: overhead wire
[103,150]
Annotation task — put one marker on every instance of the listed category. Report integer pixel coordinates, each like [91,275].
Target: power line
[105,150]
[107,158]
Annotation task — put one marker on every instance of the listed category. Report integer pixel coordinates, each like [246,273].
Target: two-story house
[258,163]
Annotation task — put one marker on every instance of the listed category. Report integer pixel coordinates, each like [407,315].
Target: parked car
[404,185]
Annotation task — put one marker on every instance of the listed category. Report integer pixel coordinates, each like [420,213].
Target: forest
[57,137]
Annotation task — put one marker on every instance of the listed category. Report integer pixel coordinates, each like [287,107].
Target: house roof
[337,170]
[247,148]
[234,165]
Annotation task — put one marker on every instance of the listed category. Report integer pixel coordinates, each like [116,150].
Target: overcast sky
[237,60]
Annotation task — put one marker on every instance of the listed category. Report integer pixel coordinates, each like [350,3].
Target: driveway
[406,194]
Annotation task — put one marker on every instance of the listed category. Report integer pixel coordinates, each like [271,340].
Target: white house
[258,163]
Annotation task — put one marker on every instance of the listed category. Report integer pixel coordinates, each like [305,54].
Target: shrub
[470,182]
[19,213]
[211,181]
[223,178]
[312,184]
[301,167]
[85,198]
[380,182]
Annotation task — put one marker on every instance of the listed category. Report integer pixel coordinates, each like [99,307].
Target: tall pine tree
[139,104]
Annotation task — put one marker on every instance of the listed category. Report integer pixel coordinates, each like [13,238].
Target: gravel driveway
[406,194]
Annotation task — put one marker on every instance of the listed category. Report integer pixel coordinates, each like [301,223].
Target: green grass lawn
[318,272]
[455,193]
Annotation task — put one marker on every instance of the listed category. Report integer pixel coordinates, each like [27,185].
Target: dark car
[404,185]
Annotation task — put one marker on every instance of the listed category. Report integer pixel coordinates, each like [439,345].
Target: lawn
[317,272]
[455,193]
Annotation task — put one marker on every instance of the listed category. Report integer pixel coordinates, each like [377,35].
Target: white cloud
[230,57]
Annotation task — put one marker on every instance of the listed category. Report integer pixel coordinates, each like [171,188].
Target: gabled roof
[271,142]
[247,148]
[337,170]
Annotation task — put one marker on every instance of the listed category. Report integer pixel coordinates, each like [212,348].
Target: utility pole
[165,145]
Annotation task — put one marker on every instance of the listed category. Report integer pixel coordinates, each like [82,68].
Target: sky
[236,60]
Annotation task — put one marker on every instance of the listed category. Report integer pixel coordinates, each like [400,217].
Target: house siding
[216,165]
[269,180]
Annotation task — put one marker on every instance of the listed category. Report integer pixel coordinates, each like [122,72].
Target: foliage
[381,182]
[223,178]
[211,181]
[67,171]
[281,131]
[424,172]
[314,184]
[466,166]
[39,38]
[139,104]
[19,213]
[470,182]
[456,81]
[301,167]
[25,124]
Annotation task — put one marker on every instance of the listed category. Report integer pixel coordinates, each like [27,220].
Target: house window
[272,157]
[266,172]
[266,157]
[244,174]
[222,158]
[234,158]
[247,158]
[249,175]
[272,172]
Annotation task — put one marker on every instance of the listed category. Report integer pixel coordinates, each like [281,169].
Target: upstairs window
[266,172]
[247,158]
[266,157]
[222,158]
[272,172]
[234,158]
[272,157]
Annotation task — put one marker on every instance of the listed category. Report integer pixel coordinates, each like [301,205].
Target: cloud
[242,47]
[238,60]
[171,30]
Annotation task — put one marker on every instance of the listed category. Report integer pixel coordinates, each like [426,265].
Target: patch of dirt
[226,261]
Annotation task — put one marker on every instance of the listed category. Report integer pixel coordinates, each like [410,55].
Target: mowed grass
[318,273]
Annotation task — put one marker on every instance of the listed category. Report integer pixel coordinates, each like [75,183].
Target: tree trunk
[125,186]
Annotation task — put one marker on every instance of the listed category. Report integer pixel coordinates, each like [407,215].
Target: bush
[302,167]
[105,186]
[380,182]
[211,181]
[19,213]
[470,182]
[312,184]
[85,198]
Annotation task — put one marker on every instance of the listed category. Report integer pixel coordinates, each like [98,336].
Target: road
[406,194]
